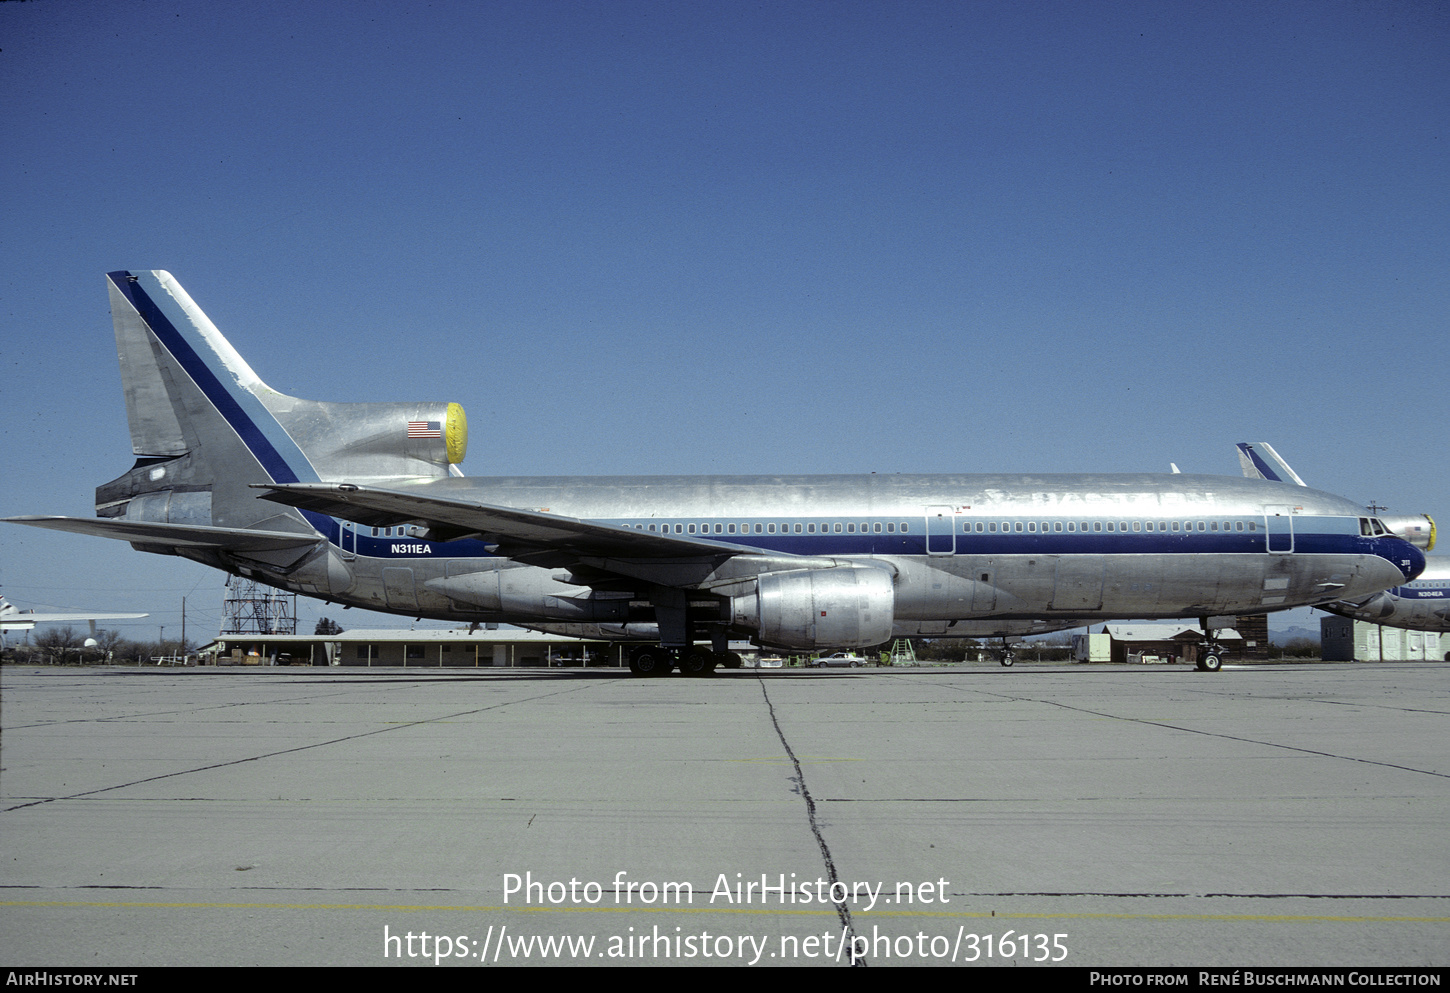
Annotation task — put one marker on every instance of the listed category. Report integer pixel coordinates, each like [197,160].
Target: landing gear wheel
[697,662]
[1007,659]
[649,662]
[1212,662]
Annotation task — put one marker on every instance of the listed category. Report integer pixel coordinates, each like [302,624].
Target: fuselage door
[1279,523]
[940,527]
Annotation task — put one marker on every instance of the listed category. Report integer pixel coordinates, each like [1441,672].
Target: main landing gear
[695,660]
[1211,660]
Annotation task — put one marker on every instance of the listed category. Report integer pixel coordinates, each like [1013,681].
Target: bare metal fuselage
[967,553]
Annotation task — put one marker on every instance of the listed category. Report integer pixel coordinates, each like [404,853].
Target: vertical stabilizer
[1260,461]
[186,386]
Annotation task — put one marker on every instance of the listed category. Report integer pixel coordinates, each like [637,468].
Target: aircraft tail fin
[205,429]
[204,426]
[1260,461]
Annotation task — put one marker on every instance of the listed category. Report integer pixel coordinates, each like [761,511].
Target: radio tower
[251,608]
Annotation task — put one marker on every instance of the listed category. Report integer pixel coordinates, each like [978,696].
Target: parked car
[839,658]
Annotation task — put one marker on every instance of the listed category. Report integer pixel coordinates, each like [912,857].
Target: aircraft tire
[649,662]
[697,662]
[1007,659]
[1212,662]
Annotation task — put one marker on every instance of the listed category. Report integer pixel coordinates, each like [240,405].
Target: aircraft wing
[174,535]
[532,536]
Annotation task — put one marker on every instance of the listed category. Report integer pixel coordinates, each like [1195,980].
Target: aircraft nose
[1395,562]
[1410,559]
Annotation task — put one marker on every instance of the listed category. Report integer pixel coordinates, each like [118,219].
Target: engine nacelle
[812,609]
[362,441]
[1417,529]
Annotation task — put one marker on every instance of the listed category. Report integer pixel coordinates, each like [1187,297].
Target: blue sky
[726,237]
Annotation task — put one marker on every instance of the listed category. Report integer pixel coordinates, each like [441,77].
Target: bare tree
[57,642]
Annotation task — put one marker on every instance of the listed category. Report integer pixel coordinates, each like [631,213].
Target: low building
[459,648]
[1344,640]
[1168,642]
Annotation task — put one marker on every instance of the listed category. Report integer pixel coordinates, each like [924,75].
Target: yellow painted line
[828,911]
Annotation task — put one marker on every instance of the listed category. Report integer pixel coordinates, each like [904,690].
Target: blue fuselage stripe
[914,544]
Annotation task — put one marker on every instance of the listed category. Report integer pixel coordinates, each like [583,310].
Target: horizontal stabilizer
[14,619]
[175,535]
[516,532]
[1260,461]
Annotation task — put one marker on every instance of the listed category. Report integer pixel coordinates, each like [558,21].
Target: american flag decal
[425,429]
